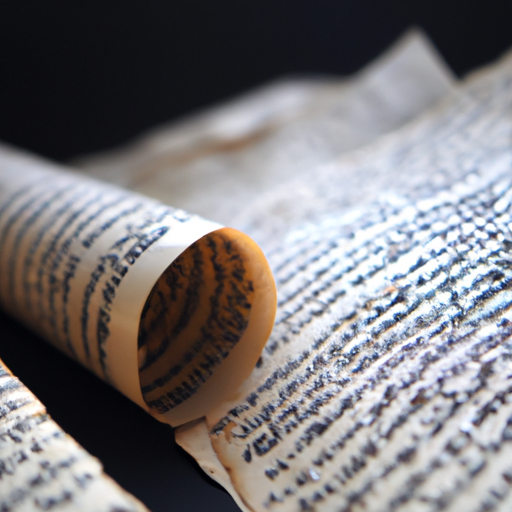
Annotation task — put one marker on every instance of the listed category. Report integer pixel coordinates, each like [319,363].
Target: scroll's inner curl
[197,312]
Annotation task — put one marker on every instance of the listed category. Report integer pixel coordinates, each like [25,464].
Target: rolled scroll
[171,309]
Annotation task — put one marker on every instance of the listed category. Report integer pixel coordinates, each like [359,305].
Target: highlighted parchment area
[204,325]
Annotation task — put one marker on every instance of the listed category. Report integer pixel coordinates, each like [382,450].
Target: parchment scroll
[88,266]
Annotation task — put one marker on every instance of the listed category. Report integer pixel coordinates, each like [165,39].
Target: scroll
[171,309]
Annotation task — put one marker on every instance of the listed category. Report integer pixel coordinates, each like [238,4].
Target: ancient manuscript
[386,381]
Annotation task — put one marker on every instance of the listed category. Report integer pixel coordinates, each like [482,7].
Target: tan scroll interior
[206,319]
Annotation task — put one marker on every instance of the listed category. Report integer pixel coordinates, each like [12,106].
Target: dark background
[79,76]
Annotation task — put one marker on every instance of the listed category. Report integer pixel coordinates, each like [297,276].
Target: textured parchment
[42,468]
[387,382]
[217,162]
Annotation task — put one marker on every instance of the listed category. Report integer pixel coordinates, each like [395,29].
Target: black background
[79,76]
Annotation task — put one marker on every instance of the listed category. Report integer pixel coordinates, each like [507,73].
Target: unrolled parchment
[386,382]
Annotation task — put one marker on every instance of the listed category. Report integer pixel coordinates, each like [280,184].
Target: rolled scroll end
[204,325]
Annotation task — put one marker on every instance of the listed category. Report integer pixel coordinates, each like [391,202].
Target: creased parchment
[385,384]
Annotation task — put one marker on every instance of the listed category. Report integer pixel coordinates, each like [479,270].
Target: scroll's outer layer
[78,259]
[125,312]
